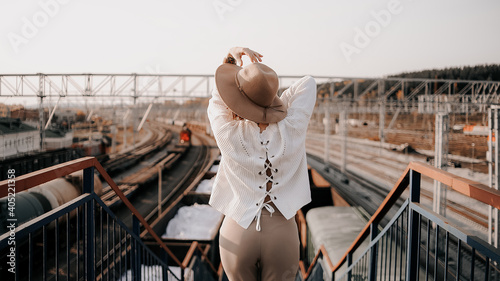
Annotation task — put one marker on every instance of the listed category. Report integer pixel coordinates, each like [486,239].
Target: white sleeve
[300,99]
[218,113]
[228,132]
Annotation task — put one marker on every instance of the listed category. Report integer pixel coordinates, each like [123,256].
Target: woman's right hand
[238,52]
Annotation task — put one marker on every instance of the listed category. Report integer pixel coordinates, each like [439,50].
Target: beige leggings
[273,252]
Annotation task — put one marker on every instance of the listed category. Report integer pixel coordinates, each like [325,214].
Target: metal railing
[197,265]
[417,244]
[83,239]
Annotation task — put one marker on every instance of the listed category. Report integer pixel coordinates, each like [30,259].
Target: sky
[357,38]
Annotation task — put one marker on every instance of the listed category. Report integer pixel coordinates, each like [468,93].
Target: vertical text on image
[11,220]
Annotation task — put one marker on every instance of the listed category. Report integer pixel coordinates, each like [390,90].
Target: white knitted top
[239,188]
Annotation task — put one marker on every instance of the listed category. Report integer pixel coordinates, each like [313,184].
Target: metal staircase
[84,240]
[417,243]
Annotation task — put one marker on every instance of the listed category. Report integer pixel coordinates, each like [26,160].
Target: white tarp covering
[214,168]
[195,222]
[205,186]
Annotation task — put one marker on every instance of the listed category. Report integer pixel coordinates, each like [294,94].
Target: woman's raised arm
[238,52]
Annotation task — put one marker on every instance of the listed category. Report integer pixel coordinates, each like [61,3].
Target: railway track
[202,163]
[128,183]
[181,166]
[185,165]
[160,137]
[376,172]
[356,191]
[190,165]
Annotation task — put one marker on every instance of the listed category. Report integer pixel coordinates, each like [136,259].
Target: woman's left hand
[238,52]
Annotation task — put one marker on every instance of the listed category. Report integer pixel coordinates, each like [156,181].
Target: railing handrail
[462,185]
[33,179]
[27,181]
[470,188]
[321,253]
[386,205]
[195,246]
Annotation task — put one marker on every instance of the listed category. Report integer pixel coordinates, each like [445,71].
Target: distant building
[17,137]
[92,145]
[17,112]
[65,118]
[34,114]
[55,139]
[68,115]
[4,110]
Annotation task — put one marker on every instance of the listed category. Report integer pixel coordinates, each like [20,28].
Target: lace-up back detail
[268,175]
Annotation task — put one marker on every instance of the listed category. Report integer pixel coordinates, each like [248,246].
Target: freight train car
[42,198]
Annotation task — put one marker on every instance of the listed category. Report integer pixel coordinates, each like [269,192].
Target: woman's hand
[238,52]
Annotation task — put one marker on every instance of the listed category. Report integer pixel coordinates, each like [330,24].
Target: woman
[262,179]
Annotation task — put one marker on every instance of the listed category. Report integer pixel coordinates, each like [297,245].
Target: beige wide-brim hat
[251,91]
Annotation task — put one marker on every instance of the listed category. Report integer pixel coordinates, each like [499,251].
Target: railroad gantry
[356,95]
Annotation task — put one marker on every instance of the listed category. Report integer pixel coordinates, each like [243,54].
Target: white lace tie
[264,205]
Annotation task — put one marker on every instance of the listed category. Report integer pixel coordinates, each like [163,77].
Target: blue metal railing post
[413,228]
[349,263]
[373,252]
[88,187]
[333,276]
[136,252]
[88,180]
[165,270]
